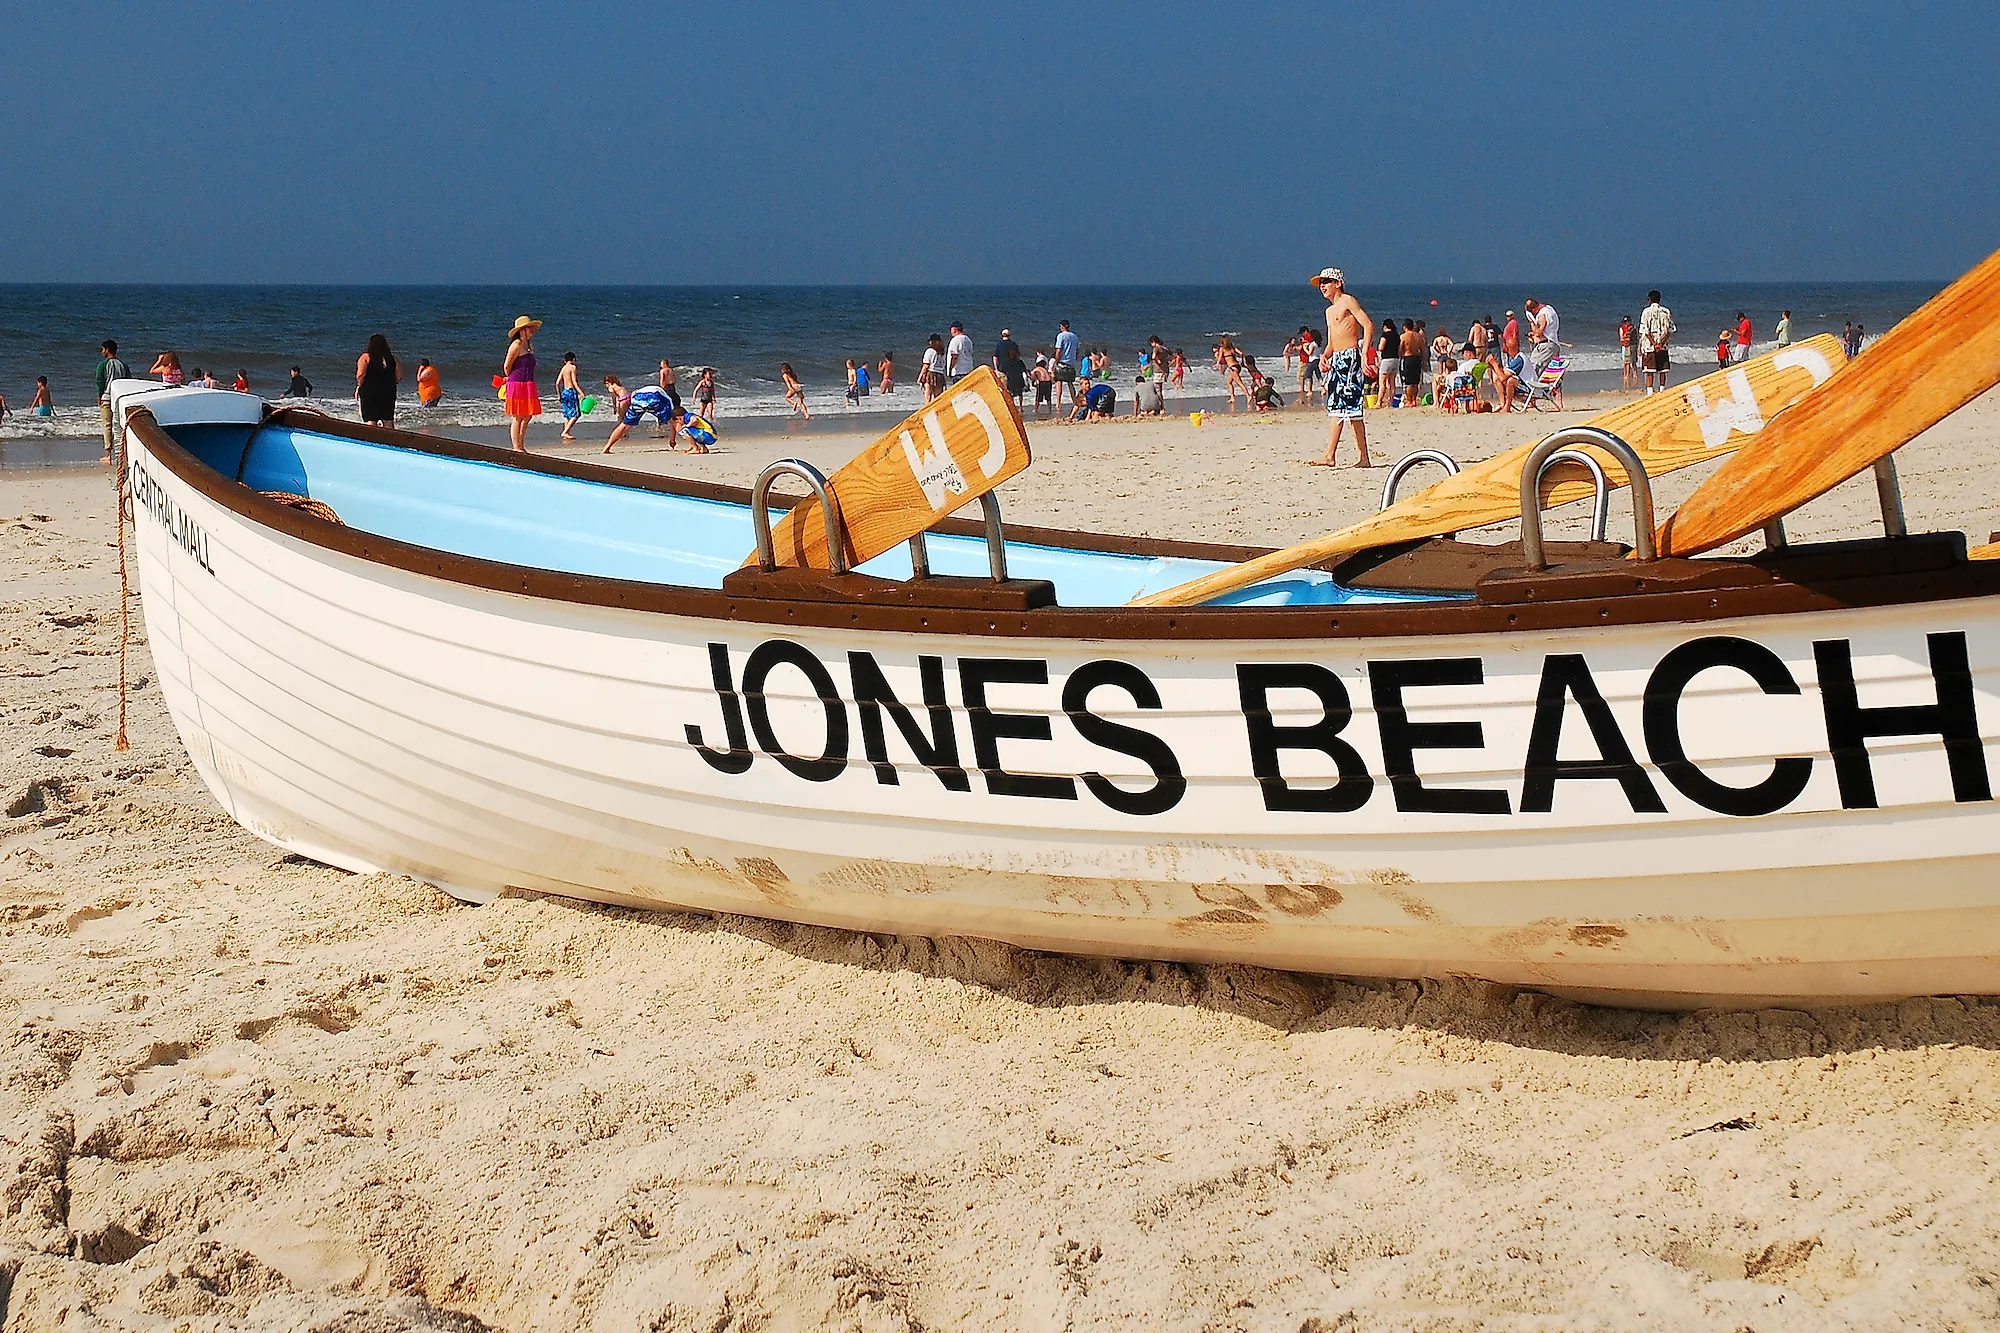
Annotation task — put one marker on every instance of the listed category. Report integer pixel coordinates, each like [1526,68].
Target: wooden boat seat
[1813,565]
[1446,565]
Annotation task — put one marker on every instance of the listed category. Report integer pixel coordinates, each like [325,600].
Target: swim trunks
[1345,386]
[1656,360]
[572,404]
[655,401]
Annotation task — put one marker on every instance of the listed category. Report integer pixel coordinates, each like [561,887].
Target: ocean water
[746,332]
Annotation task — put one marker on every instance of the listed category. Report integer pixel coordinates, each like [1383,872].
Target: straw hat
[1327,275]
[524,323]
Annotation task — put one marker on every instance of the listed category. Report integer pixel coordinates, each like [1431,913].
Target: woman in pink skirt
[524,400]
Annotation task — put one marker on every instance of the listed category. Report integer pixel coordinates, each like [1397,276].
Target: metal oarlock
[829,509]
[1600,509]
[996,543]
[1410,460]
[1543,454]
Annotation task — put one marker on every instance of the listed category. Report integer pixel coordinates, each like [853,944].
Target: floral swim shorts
[1345,385]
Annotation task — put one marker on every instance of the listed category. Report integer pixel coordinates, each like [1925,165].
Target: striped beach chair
[1544,391]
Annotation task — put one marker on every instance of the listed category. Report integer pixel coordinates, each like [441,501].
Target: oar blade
[1692,423]
[1915,375]
[955,448]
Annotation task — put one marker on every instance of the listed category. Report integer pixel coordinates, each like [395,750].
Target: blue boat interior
[572,525]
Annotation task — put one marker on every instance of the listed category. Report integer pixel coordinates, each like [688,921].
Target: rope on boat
[305,504]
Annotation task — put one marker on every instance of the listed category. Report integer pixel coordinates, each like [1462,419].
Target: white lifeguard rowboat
[1682,782]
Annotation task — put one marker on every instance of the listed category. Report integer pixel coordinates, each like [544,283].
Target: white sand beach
[240,1090]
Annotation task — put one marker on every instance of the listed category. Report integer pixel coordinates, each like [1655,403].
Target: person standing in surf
[795,392]
[524,399]
[570,395]
[376,375]
[931,377]
[110,368]
[1348,330]
[1656,327]
[886,372]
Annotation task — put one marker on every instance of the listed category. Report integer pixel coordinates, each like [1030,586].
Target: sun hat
[524,323]
[1326,275]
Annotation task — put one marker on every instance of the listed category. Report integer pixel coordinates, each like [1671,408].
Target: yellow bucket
[1194,418]
[1369,401]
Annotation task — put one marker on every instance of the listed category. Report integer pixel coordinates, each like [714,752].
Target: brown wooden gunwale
[1776,597]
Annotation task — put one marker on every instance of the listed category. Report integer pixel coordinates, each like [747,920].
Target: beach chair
[1543,393]
[1464,391]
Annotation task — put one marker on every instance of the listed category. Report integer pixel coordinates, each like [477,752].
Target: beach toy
[590,404]
[499,380]
[1371,400]
[698,429]
[1194,418]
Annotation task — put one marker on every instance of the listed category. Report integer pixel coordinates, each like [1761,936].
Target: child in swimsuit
[571,396]
[1045,383]
[704,392]
[795,392]
[43,405]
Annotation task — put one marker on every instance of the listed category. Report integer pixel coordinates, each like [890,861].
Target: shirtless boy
[571,395]
[1348,330]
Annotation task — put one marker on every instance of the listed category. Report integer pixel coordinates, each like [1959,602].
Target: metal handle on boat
[1538,462]
[1410,460]
[996,543]
[829,509]
[1600,510]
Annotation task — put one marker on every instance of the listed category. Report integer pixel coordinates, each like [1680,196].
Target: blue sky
[747,143]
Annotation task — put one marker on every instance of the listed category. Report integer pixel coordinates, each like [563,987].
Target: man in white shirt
[1069,353]
[1656,326]
[1544,335]
[959,360]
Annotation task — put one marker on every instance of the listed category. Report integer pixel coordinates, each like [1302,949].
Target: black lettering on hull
[1402,738]
[1168,783]
[1566,676]
[1254,683]
[937,750]
[1952,719]
[1662,714]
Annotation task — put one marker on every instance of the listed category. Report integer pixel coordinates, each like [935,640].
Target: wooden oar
[955,448]
[1915,375]
[1694,423]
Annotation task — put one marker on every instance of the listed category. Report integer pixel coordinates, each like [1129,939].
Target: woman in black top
[1388,360]
[376,375]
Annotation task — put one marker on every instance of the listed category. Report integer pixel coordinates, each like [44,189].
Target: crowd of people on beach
[1355,365]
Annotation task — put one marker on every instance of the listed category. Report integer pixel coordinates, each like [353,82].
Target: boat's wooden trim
[1871,575]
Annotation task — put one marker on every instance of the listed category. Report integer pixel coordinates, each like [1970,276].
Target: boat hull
[1664,813]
